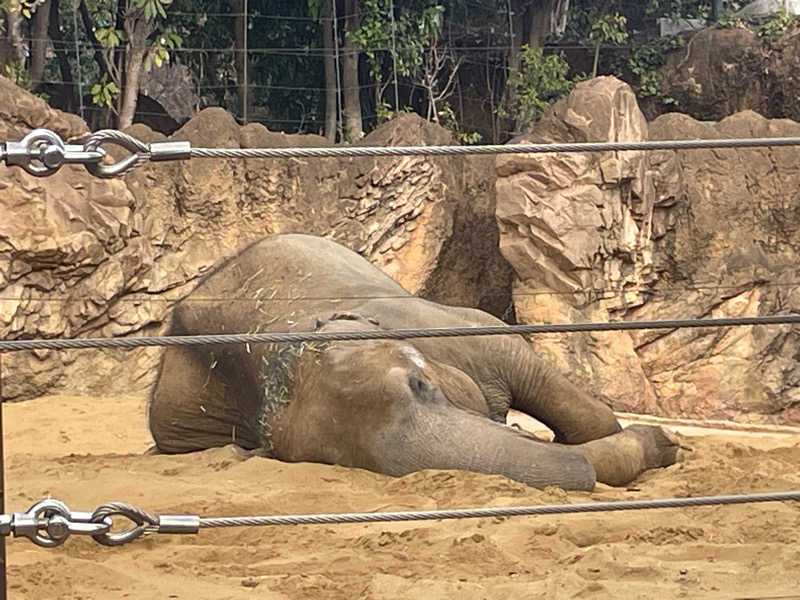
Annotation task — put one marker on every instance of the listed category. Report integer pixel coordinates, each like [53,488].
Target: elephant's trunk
[441,437]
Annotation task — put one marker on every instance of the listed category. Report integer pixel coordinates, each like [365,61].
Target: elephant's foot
[620,458]
[661,447]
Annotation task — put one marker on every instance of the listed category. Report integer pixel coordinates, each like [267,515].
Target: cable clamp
[42,152]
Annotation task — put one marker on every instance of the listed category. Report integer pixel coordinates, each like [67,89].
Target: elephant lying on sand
[389,406]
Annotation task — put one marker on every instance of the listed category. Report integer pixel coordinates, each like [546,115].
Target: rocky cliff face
[591,237]
[81,256]
[705,233]
[723,70]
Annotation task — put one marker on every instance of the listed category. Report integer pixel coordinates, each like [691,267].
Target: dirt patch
[89,450]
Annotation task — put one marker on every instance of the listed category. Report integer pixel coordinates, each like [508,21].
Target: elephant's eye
[423,390]
[417,384]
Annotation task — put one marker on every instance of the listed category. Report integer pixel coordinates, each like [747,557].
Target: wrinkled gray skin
[389,406]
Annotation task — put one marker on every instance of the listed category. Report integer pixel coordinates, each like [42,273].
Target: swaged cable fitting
[44,153]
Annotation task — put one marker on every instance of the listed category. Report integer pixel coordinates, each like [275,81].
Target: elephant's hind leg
[190,408]
[620,458]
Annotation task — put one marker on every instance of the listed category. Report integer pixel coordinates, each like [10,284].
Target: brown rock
[724,70]
[20,112]
[87,257]
[575,228]
[706,233]
[736,241]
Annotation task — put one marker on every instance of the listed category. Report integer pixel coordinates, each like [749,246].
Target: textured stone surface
[723,70]
[657,236]
[87,257]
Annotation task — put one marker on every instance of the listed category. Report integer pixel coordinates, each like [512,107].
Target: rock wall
[723,70]
[628,236]
[81,256]
[590,237]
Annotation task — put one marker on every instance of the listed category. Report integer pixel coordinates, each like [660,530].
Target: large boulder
[724,70]
[659,235]
[81,256]
[572,227]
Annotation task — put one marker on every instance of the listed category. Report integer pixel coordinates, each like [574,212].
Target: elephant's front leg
[620,458]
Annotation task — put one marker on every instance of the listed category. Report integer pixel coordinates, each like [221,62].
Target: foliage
[18,74]
[609,27]
[109,37]
[118,27]
[452,59]
[153,8]
[274,74]
[25,7]
[639,63]
[643,63]
[159,51]
[449,120]
[104,93]
[541,80]
[678,9]
[777,24]
[605,28]
[397,46]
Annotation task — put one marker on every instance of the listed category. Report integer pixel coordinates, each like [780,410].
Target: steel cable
[30,524]
[182,150]
[385,334]
[491,149]
[510,511]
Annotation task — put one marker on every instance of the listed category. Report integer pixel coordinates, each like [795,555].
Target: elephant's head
[382,405]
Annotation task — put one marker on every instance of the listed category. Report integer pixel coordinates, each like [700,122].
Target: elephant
[389,406]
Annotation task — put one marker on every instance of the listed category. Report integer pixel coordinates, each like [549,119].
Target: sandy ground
[87,451]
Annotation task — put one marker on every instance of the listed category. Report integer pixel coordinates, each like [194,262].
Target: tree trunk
[14,36]
[331,89]
[54,33]
[354,128]
[88,26]
[138,29]
[126,20]
[516,31]
[5,48]
[133,71]
[543,19]
[40,42]
[240,58]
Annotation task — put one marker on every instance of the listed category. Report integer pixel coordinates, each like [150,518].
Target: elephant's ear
[346,316]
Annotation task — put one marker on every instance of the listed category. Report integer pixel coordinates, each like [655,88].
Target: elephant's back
[283,280]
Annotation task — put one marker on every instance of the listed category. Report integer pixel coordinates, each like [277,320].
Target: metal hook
[139,150]
[144,522]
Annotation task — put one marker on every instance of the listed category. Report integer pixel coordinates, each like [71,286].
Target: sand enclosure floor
[88,451]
